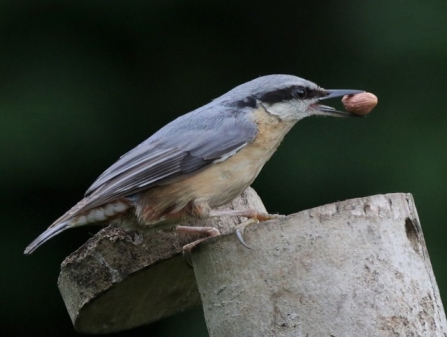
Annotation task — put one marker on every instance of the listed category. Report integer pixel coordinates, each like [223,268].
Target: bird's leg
[198,210]
[208,232]
[252,215]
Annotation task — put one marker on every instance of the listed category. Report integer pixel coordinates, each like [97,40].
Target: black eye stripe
[294,92]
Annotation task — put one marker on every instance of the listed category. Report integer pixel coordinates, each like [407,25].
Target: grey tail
[45,236]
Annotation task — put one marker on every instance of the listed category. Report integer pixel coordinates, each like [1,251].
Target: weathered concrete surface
[354,268]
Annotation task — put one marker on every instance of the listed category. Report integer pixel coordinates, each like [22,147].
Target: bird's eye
[300,93]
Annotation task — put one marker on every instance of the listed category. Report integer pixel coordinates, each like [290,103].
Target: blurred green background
[82,82]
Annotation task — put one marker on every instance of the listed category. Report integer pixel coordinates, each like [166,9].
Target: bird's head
[289,97]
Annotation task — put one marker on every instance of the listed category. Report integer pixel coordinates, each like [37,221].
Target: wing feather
[188,144]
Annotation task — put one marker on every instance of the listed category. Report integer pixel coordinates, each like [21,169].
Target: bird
[199,161]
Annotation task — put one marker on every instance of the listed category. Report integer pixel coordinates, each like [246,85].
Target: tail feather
[75,218]
[45,236]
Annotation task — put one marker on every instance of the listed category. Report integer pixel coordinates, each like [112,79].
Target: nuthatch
[200,161]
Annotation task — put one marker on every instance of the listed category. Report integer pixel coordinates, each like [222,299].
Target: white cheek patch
[292,110]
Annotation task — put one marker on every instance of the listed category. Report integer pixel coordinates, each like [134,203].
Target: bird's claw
[239,234]
[241,228]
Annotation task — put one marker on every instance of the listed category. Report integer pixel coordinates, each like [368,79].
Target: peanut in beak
[360,104]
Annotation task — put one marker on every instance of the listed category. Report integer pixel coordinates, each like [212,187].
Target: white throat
[293,110]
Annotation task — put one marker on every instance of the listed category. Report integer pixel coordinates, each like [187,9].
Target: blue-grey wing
[187,145]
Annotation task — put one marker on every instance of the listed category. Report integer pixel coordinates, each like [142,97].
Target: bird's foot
[253,219]
[247,213]
[208,232]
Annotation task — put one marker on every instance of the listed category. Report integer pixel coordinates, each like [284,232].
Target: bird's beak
[324,110]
